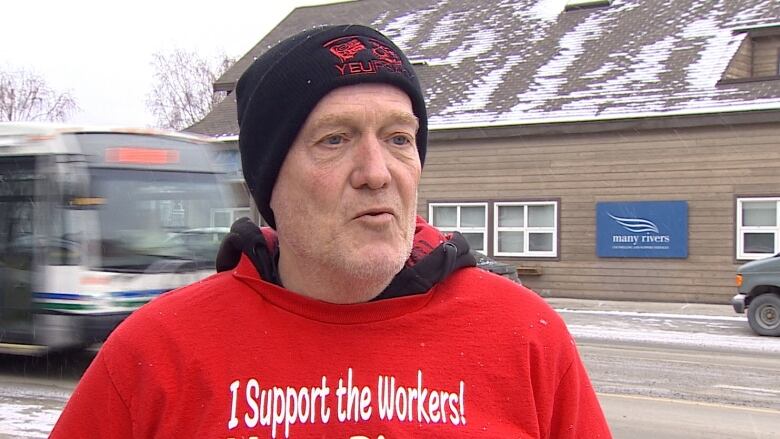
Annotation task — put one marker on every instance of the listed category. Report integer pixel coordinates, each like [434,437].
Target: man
[349,317]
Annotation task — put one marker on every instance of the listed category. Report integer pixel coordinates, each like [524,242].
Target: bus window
[61,225]
[148,215]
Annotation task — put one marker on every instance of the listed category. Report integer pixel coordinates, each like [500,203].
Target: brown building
[566,139]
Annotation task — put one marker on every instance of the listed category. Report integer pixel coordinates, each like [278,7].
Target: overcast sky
[100,50]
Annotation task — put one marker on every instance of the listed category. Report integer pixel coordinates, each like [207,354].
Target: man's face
[346,196]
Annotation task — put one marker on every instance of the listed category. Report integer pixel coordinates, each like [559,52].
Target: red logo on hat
[346,51]
[386,54]
[379,57]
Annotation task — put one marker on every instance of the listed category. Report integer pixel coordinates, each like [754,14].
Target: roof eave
[565,126]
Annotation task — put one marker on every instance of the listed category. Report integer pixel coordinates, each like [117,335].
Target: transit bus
[96,222]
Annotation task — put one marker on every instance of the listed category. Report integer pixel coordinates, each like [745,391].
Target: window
[758,227]
[226,217]
[765,55]
[470,219]
[525,229]
[518,228]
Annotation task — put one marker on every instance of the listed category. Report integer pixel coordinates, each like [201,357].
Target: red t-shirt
[235,357]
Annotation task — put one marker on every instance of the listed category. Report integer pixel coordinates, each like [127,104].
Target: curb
[643,307]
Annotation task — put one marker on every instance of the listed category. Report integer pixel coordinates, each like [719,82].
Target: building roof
[486,63]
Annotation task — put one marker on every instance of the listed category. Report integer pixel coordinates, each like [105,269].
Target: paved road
[638,417]
[677,371]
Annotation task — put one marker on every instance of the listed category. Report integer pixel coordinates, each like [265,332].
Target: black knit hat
[278,91]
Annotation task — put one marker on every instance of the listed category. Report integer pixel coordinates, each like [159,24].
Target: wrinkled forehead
[355,103]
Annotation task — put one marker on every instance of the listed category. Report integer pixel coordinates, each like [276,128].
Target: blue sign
[642,229]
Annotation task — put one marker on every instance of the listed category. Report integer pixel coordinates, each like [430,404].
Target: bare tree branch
[25,96]
[183,92]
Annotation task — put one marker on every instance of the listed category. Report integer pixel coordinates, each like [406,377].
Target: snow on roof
[513,62]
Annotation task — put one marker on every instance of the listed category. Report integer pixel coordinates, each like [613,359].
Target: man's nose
[370,164]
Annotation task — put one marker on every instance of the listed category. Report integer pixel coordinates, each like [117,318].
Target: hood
[433,258]
[768,264]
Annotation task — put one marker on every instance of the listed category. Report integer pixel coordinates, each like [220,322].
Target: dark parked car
[500,268]
[758,292]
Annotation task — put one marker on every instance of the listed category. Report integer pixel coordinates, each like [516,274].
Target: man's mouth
[378,213]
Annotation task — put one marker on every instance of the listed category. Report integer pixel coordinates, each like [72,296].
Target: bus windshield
[157,221]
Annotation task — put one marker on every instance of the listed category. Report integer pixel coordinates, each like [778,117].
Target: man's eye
[400,140]
[335,139]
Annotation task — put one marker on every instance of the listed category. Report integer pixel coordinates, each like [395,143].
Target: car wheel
[764,314]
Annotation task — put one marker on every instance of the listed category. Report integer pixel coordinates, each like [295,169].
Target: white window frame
[458,228]
[741,230]
[235,213]
[526,229]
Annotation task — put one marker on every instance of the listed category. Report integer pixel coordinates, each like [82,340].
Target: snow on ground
[676,338]
[26,420]
[29,411]
[721,333]
[655,315]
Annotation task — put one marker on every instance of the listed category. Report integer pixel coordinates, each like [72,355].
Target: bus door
[18,181]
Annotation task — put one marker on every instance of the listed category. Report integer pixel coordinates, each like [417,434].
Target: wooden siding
[741,66]
[706,166]
[765,56]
